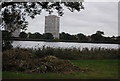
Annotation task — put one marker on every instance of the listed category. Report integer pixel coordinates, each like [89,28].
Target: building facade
[52,24]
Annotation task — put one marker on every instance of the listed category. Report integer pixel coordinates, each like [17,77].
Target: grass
[100,69]
[77,53]
[69,53]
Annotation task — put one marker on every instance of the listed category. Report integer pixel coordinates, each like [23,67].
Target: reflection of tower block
[52,25]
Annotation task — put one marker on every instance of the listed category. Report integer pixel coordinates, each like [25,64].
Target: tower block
[52,25]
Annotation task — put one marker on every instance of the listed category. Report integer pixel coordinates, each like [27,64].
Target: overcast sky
[96,16]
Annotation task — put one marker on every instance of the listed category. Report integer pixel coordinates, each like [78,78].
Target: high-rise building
[52,25]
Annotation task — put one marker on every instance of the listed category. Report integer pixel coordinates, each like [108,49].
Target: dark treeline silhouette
[80,37]
[95,38]
[63,37]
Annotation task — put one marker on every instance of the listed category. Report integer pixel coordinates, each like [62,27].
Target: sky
[102,16]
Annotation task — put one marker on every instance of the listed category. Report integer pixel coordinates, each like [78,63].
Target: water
[36,44]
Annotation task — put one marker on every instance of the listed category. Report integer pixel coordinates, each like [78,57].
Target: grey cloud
[96,16]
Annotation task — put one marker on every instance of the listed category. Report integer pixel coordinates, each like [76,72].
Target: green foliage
[118,38]
[16,60]
[101,69]
[77,53]
[13,13]
[13,19]
[94,38]
[33,7]
[22,60]
[6,44]
[23,35]
[82,37]
[6,34]
[53,64]
[30,61]
[56,40]
[98,36]
[35,35]
[66,36]
[48,36]
[100,32]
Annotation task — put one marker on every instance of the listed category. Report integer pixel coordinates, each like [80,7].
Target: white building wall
[52,25]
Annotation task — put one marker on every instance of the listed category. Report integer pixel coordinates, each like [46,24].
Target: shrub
[22,60]
[53,64]
[77,53]
[15,59]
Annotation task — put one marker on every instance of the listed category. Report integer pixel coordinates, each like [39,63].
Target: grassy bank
[99,69]
[68,53]
[51,63]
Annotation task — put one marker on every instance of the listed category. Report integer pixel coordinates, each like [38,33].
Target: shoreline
[72,41]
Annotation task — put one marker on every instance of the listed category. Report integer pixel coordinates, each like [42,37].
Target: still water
[36,44]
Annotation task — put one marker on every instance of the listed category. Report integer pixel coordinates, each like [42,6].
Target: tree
[95,37]
[98,36]
[48,36]
[6,34]
[66,36]
[6,44]
[100,33]
[81,37]
[35,35]
[13,19]
[74,37]
[118,39]
[16,12]
[23,35]
[30,35]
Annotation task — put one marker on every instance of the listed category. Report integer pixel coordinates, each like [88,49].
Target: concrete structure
[52,25]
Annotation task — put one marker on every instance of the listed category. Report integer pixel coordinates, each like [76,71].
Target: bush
[77,53]
[15,59]
[53,64]
[22,60]
[47,59]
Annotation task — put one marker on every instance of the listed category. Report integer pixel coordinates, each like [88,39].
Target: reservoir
[37,44]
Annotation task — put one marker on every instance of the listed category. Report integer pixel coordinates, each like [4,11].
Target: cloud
[96,16]
[101,0]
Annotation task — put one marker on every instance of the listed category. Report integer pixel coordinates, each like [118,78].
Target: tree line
[80,37]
